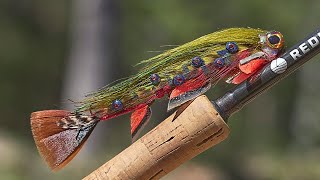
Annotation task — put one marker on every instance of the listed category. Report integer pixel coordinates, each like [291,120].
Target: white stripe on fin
[251,57]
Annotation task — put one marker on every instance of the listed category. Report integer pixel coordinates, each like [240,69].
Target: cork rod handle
[186,133]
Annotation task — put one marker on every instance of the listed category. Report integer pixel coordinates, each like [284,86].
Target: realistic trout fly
[182,73]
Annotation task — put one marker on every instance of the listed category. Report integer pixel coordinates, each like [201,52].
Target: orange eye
[275,40]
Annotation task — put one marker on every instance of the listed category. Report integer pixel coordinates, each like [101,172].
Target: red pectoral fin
[139,118]
[248,69]
[252,66]
[189,86]
[240,78]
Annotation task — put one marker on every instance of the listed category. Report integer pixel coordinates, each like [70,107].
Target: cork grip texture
[176,140]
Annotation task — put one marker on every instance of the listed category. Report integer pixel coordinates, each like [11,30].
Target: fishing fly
[182,73]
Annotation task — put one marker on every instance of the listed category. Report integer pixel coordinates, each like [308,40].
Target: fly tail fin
[59,135]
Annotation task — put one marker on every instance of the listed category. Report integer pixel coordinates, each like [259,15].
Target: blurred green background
[54,50]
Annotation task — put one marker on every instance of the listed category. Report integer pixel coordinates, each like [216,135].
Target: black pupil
[274,39]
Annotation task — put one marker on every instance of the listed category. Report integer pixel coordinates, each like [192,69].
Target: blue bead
[117,104]
[232,47]
[219,62]
[197,62]
[155,79]
[178,80]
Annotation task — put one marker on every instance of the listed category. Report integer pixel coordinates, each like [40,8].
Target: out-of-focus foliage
[275,137]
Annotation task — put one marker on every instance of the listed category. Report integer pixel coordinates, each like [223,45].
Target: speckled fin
[186,96]
[59,135]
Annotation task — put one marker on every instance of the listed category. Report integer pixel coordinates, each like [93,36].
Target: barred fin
[59,135]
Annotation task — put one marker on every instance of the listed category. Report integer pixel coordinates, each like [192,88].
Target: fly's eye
[275,40]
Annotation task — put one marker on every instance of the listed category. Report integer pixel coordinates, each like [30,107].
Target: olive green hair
[138,89]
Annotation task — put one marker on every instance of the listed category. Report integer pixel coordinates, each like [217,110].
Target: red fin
[176,92]
[186,96]
[252,66]
[57,137]
[240,78]
[139,118]
[190,85]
